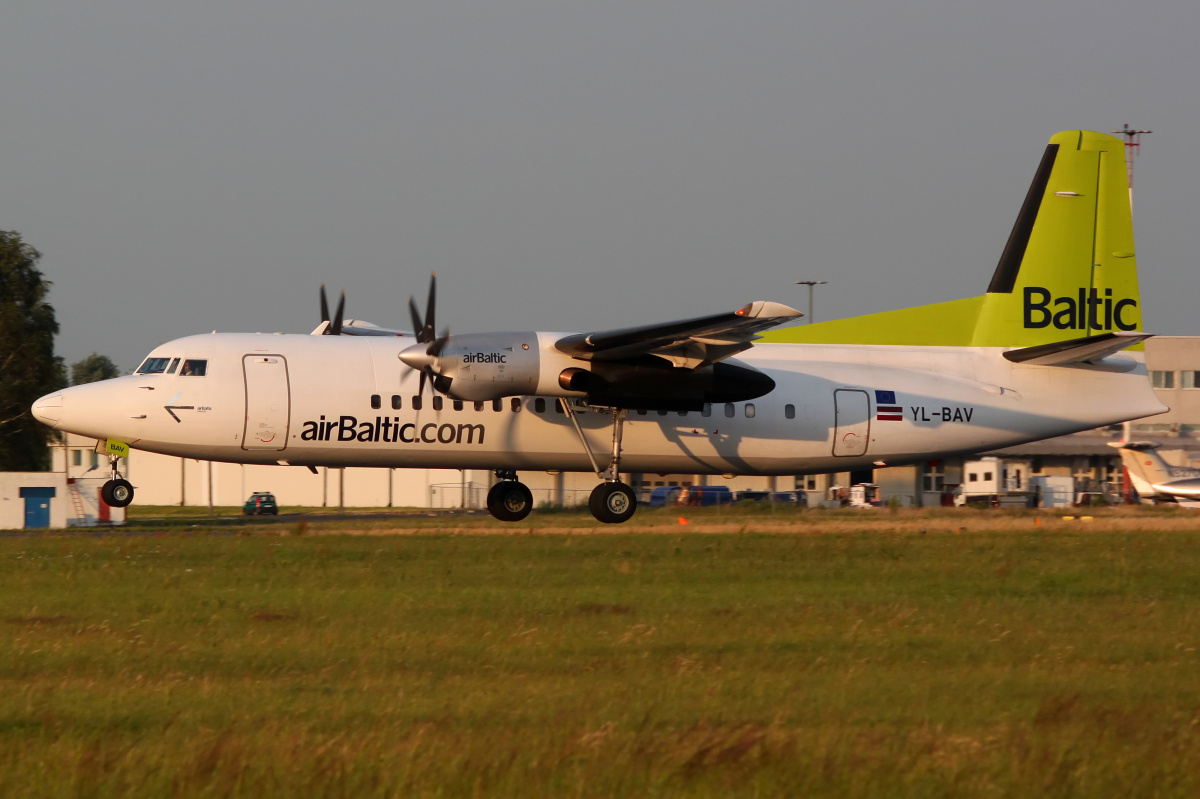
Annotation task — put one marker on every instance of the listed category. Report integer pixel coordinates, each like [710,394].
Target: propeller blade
[418,325]
[435,349]
[430,307]
[335,327]
[324,305]
[421,389]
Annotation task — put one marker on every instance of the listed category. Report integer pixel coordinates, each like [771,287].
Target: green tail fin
[1068,271]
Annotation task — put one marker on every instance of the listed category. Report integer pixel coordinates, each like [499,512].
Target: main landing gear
[509,500]
[611,502]
[117,492]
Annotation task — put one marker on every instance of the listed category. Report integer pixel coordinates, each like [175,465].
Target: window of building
[376,401]
[77,457]
[1160,379]
[933,476]
[1189,379]
[194,368]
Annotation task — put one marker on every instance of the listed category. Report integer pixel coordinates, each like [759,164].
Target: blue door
[37,505]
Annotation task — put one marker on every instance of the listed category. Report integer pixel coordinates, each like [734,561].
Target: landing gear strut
[509,500]
[611,502]
[117,492]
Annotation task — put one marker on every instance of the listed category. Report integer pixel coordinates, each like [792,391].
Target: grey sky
[565,166]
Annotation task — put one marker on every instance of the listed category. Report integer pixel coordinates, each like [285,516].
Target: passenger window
[749,410]
[437,403]
[683,413]
[194,368]
[516,404]
[789,411]
[497,405]
[730,410]
[417,402]
[706,411]
[478,406]
[458,406]
[641,412]
[539,405]
[376,402]
[662,413]
[558,406]
[396,402]
[171,368]
[153,366]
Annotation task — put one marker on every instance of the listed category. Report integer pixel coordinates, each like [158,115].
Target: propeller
[426,360]
[334,328]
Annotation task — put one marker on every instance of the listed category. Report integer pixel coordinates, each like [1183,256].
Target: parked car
[261,503]
[705,495]
[664,496]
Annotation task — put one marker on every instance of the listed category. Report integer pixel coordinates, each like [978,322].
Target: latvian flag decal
[886,409]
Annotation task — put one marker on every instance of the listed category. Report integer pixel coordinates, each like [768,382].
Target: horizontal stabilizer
[1077,350]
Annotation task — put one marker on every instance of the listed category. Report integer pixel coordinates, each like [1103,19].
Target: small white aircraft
[1035,357]
[1157,481]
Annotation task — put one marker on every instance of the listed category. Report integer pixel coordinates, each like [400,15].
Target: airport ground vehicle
[261,503]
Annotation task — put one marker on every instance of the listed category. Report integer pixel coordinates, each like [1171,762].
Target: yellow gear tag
[116,448]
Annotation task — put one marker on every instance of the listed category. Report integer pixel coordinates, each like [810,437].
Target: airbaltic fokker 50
[1037,356]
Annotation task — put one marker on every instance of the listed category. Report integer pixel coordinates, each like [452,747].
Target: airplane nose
[48,409]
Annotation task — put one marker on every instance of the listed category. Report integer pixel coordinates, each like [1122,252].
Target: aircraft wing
[357,327]
[686,344]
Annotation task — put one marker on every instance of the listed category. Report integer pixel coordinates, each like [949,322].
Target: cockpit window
[171,368]
[195,368]
[153,366]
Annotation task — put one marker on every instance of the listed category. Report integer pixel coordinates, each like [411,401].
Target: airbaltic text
[484,357]
[388,429]
[1088,311]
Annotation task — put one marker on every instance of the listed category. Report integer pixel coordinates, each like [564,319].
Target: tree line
[28,366]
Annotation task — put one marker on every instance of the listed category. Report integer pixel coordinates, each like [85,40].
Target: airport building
[1092,466]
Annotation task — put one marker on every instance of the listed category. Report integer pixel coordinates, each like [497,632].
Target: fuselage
[349,401]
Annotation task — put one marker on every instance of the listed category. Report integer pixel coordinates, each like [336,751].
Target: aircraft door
[268,402]
[852,422]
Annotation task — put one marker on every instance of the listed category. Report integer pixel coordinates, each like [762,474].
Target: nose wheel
[117,492]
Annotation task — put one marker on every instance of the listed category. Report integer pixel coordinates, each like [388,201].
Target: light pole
[811,285]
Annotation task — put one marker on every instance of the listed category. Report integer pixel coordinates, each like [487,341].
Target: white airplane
[1157,481]
[1037,356]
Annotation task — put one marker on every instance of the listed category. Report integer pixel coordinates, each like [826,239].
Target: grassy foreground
[1049,663]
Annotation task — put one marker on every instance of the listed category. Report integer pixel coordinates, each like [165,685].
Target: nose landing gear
[117,492]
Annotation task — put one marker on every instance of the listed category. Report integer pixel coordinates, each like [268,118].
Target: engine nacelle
[486,366]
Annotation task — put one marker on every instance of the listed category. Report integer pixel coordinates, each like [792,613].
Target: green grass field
[1024,662]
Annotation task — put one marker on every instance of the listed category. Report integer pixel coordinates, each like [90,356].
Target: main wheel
[117,493]
[612,503]
[509,501]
